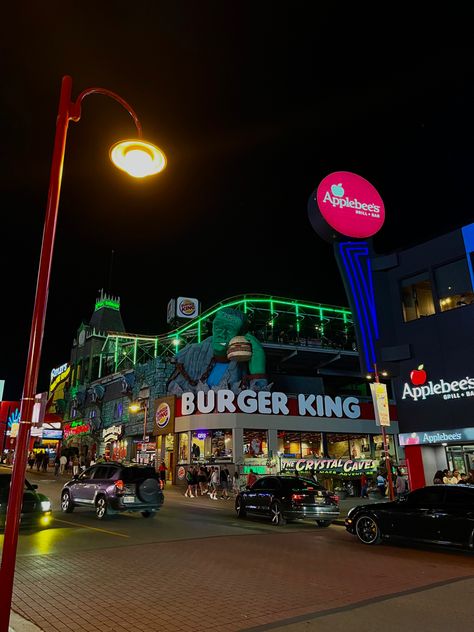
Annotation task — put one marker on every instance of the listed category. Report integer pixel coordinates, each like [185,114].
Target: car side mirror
[34,486]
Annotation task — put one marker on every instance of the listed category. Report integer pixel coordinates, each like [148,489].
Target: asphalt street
[195,566]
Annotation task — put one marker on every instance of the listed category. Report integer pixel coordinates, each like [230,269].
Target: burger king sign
[187,307]
[164,415]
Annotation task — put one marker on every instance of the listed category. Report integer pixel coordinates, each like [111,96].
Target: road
[196,567]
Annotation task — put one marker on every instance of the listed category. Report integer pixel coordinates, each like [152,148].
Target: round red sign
[181,472]
[348,205]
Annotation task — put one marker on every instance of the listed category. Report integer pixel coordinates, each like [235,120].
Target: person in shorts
[224,483]
[215,479]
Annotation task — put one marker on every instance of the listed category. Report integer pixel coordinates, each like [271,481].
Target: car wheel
[240,507]
[101,507]
[368,530]
[148,514]
[323,523]
[66,503]
[277,517]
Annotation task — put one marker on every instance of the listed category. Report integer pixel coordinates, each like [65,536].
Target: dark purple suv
[112,488]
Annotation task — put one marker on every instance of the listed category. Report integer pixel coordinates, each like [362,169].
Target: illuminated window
[338,446]
[255,444]
[453,285]
[417,297]
[378,446]
[183,447]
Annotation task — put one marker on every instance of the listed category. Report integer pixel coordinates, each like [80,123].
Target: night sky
[253,104]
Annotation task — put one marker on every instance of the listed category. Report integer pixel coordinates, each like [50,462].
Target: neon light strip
[107,303]
[468,238]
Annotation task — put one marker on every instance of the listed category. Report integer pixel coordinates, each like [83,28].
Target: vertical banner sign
[380,399]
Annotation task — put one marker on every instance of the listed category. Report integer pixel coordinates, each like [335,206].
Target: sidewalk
[20,624]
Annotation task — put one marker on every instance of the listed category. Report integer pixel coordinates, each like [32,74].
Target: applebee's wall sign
[419,389]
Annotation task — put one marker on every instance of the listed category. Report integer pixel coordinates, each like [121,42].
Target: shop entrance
[461,458]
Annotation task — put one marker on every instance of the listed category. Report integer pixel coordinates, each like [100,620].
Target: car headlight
[45,505]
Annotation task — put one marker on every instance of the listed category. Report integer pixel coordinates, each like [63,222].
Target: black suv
[112,488]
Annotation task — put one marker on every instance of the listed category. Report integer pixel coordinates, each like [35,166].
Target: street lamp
[139,159]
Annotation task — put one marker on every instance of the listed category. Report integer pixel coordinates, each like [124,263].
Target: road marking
[83,526]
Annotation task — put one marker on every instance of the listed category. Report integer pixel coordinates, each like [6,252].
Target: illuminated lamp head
[138,158]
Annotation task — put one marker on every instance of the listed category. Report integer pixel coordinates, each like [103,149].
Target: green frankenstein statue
[203,366]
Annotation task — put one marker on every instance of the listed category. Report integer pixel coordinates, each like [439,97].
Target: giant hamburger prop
[239,349]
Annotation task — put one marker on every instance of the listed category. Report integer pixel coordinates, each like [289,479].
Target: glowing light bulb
[138,158]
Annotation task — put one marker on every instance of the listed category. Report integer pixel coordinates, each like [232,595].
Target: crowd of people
[217,483]
[448,477]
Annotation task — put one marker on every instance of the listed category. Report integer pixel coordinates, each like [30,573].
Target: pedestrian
[31,459]
[251,478]
[312,474]
[62,463]
[202,481]
[438,478]
[224,483]
[457,476]
[400,485]
[449,478]
[195,481]
[39,460]
[75,465]
[235,483]
[162,472]
[364,486]
[381,484]
[189,480]
[215,477]
[45,462]
[57,464]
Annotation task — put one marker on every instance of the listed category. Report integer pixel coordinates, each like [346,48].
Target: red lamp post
[137,158]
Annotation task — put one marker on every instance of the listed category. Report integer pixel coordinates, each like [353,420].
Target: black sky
[253,103]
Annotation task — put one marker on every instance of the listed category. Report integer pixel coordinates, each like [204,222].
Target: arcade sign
[76,428]
[58,375]
[346,205]
[113,433]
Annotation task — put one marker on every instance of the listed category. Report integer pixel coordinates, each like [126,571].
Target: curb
[20,624]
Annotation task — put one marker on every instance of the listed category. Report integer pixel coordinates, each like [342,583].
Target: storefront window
[417,297]
[183,447]
[338,446]
[289,444]
[378,446]
[255,444]
[359,446]
[211,444]
[311,444]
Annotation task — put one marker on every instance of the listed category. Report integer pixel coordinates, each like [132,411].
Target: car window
[302,484]
[460,497]
[272,483]
[426,497]
[86,474]
[132,474]
[102,472]
[260,484]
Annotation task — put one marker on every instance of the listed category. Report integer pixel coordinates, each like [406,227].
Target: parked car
[283,498]
[113,488]
[36,509]
[439,514]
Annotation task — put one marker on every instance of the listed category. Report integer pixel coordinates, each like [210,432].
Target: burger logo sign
[163,415]
[420,389]
[187,307]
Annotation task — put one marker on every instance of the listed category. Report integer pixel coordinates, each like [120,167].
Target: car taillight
[335,498]
[119,485]
[297,497]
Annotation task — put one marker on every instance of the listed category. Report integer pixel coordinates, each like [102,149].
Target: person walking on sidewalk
[62,463]
[235,483]
[251,478]
[364,485]
[381,485]
[224,483]
[189,480]
[214,483]
[162,472]
[75,465]
[45,462]
[57,464]
[31,459]
[39,460]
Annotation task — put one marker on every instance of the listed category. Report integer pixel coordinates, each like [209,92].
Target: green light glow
[107,303]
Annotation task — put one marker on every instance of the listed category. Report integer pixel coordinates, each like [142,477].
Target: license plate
[129,499]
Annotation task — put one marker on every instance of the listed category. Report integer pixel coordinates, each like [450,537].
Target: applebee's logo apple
[337,190]
[418,376]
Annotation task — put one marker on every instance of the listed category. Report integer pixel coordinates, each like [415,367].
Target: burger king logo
[181,473]
[163,415]
[187,307]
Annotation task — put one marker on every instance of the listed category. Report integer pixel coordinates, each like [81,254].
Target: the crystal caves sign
[268,403]
[344,467]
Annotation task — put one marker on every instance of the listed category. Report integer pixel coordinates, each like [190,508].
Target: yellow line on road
[83,526]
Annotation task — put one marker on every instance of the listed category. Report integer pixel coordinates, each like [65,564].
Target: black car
[283,498]
[111,488]
[439,514]
[36,508]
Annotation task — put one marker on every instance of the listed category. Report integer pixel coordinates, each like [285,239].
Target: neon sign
[58,375]
[76,428]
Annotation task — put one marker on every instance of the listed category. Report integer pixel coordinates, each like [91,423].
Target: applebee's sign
[420,389]
[348,205]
